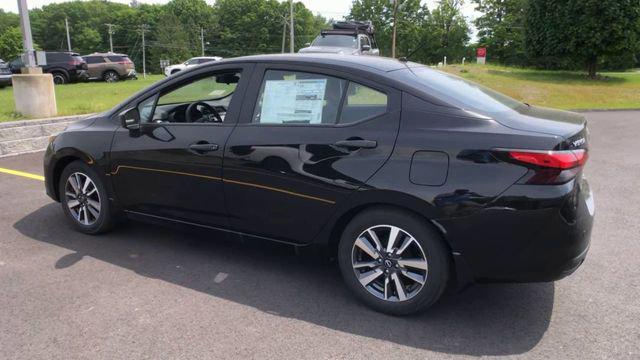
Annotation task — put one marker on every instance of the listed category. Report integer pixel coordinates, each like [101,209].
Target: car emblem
[388,263]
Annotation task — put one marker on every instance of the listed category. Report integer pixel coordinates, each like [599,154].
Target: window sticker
[293,101]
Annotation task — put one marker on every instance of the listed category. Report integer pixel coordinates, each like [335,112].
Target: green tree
[411,21]
[8,20]
[450,30]
[560,32]
[10,43]
[501,29]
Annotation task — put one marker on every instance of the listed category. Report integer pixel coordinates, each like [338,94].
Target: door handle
[202,148]
[361,144]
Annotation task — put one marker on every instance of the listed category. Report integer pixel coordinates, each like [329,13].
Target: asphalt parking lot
[149,292]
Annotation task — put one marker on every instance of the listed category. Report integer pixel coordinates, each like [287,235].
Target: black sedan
[413,178]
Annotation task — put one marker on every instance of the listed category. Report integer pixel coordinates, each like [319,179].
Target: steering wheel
[209,113]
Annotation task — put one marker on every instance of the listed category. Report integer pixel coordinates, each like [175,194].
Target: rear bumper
[529,234]
[131,74]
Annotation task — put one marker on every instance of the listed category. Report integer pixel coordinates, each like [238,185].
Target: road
[149,292]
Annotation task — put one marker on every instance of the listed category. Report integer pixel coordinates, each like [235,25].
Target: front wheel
[84,199]
[393,261]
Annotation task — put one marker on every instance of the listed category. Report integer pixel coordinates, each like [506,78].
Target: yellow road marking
[22,173]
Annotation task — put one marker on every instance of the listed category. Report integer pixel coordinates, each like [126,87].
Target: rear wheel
[393,261]
[59,78]
[110,76]
[84,199]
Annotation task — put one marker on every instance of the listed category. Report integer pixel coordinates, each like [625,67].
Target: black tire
[105,219]
[437,257]
[110,76]
[59,78]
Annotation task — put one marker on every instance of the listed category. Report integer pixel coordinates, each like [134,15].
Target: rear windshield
[460,92]
[345,41]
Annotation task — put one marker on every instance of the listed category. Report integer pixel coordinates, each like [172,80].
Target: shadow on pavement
[484,320]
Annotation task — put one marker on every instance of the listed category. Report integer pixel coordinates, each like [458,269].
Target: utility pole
[395,25]
[111,32]
[284,34]
[284,31]
[291,29]
[27,40]
[202,39]
[144,28]
[66,24]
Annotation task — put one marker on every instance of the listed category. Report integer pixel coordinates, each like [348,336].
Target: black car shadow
[483,320]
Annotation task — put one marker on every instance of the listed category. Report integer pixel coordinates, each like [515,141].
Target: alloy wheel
[110,77]
[58,79]
[389,263]
[82,198]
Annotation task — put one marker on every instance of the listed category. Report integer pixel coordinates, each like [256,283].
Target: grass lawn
[81,98]
[557,89]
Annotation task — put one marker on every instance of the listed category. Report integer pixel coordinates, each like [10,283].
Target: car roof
[205,57]
[105,54]
[378,63]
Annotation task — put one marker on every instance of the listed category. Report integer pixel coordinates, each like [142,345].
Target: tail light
[75,62]
[549,167]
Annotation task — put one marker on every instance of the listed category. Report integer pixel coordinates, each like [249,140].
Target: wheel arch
[62,71]
[329,238]
[110,69]
[64,157]
[366,199]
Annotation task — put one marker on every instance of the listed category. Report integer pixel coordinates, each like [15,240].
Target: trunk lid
[571,126]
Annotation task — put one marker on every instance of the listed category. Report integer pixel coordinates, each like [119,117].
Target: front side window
[290,97]
[202,100]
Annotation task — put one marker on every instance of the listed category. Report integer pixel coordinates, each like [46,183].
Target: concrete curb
[26,136]
[604,110]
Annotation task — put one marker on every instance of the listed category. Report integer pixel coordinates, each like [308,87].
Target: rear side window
[115,58]
[290,97]
[94,59]
[362,102]
[56,57]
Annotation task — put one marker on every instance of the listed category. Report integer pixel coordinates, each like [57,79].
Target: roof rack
[350,27]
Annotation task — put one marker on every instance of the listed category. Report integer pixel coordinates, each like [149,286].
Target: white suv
[172,69]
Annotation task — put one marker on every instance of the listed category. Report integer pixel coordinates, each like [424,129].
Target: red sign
[481,52]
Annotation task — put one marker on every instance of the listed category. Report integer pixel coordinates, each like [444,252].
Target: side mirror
[307,44]
[366,47]
[130,119]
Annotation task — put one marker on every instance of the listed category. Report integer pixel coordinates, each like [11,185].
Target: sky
[335,9]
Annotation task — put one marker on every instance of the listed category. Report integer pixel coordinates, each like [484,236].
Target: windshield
[460,92]
[344,41]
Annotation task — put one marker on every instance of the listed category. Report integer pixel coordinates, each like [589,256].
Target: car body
[64,66]
[110,67]
[490,189]
[5,74]
[195,61]
[346,38]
